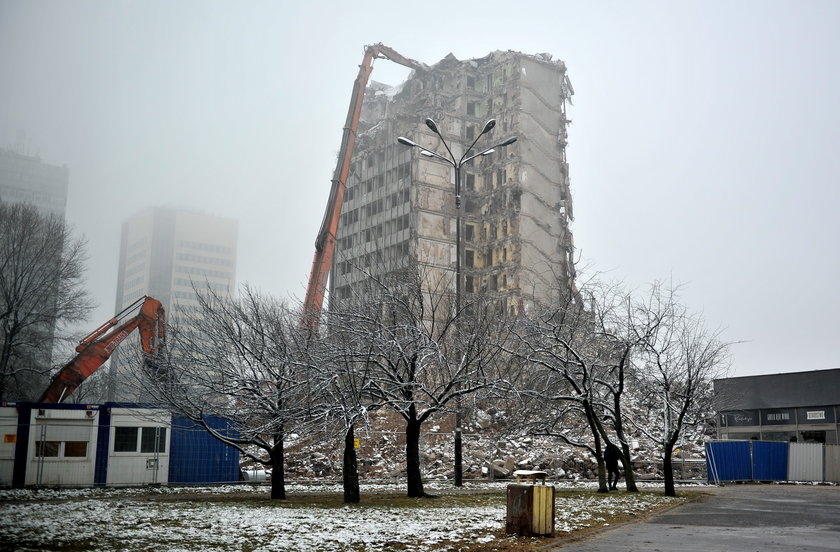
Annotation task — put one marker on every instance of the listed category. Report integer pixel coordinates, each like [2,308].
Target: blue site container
[196,457]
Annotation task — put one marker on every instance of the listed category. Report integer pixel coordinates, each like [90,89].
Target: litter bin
[530,505]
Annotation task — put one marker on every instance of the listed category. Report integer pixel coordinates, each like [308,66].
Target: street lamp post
[456,164]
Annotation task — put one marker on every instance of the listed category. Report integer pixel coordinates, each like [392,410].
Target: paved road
[736,518]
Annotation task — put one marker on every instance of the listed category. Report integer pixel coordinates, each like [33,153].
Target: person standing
[611,457]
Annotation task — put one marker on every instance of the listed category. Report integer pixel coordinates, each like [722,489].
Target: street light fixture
[456,164]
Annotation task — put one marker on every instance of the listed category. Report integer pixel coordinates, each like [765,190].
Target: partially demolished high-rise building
[516,203]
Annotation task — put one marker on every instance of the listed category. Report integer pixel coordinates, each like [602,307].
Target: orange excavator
[325,243]
[99,345]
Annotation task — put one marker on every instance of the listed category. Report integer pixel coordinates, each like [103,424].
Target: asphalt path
[735,518]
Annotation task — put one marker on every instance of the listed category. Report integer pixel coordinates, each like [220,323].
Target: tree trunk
[627,464]
[350,471]
[278,473]
[603,486]
[412,455]
[668,468]
[591,418]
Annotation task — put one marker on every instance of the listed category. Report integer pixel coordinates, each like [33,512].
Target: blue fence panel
[770,460]
[197,457]
[728,461]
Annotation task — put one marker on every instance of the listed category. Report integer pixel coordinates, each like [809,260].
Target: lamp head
[432,125]
[406,142]
[488,126]
[507,142]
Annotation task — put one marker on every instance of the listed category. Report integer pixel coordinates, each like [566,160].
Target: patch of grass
[335,500]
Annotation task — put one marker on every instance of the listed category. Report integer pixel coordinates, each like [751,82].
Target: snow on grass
[126,519]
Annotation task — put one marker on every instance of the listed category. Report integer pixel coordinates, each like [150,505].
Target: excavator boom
[96,348]
[325,242]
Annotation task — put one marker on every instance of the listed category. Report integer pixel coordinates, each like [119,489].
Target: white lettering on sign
[816,414]
[778,416]
[116,341]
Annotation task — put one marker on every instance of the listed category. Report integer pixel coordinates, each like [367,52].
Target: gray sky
[703,146]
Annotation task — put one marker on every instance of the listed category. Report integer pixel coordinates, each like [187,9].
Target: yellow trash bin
[530,505]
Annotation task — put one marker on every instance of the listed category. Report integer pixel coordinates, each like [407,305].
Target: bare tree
[679,357]
[41,293]
[566,363]
[244,360]
[421,356]
[611,308]
[344,394]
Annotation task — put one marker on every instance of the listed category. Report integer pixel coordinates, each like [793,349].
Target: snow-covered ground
[190,519]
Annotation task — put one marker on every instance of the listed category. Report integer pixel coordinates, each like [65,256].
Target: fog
[703,147]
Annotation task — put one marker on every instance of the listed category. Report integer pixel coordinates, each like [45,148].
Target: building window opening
[469,257]
[469,233]
[813,436]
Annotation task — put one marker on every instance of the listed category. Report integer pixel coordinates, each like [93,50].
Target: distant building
[797,406]
[26,179]
[163,253]
[399,206]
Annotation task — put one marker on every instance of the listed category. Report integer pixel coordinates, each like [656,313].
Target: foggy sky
[703,147]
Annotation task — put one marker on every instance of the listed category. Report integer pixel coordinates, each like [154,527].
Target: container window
[151,443]
[75,449]
[47,449]
[125,439]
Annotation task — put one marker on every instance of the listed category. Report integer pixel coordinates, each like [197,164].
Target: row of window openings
[206,247]
[221,288]
[471,257]
[494,282]
[137,243]
[369,234]
[488,231]
[365,261]
[381,157]
[375,207]
[377,182]
[472,81]
[126,439]
[134,282]
[135,257]
[203,259]
[499,180]
[204,272]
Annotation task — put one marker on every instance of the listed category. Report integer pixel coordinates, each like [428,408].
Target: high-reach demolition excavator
[325,243]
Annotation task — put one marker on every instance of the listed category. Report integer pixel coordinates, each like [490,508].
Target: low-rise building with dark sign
[797,407]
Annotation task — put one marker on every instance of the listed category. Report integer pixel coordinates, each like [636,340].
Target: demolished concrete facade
[516,203]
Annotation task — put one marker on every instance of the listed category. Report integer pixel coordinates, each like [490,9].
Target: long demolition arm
[96,348]
[325,242]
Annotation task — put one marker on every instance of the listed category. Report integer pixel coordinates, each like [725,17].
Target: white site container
[138,446]
[62,446]
[8,432]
